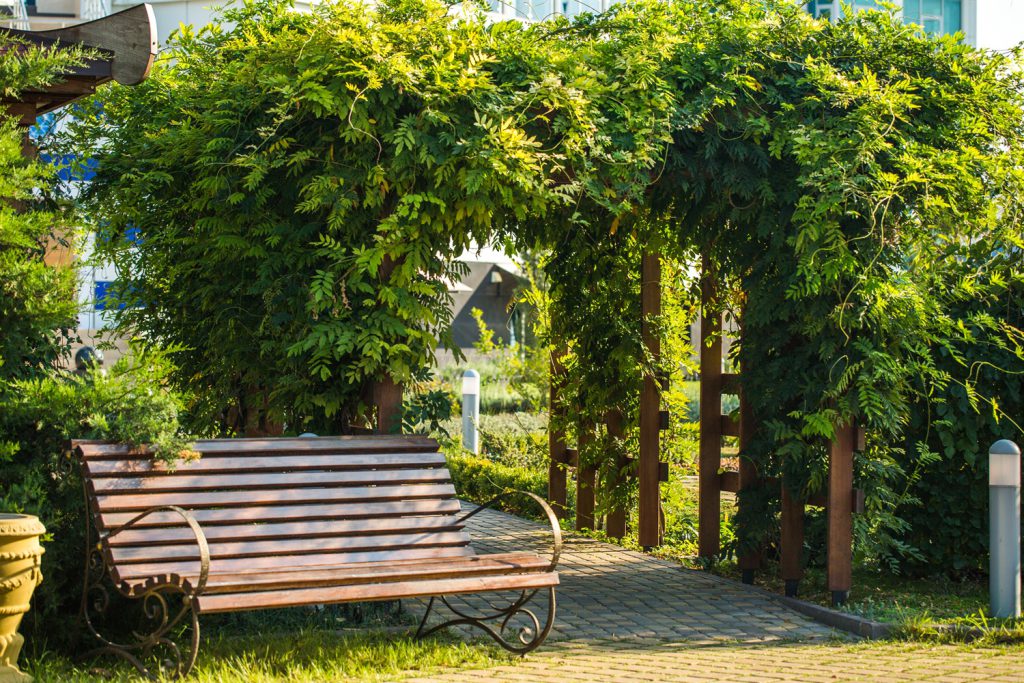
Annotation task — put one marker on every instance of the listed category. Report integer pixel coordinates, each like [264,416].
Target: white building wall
[171,14]
[999,24]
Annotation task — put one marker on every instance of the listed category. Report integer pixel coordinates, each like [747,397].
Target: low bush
[479,480]
[37,476]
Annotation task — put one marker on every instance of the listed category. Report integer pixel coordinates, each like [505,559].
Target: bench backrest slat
[276,503]
[130,572]
[129,466]
[259,513]
[285,446]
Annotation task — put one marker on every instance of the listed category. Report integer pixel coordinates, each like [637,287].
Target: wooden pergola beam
[127,46]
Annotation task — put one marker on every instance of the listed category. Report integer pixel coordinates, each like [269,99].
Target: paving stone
[625,616]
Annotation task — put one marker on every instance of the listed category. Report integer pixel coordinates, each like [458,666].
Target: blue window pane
[931,8]
[932,26]
[951,16]
[912,11]
[100,293]
[133,235]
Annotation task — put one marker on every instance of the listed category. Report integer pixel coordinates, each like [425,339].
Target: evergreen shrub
[38,476]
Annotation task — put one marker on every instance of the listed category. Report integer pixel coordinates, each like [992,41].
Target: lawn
[256,648]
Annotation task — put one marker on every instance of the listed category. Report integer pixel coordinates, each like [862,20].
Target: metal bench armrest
[197,531]
[556,529]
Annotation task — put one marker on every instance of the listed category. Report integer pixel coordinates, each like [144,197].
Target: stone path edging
[851,623]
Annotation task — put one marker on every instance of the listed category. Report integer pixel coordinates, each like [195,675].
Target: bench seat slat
[229,602]
[289,546]
[480,565]
[280,513]
[283,446]
[217,464]
[250,532]
[185,482]
[126,572]
[199,500]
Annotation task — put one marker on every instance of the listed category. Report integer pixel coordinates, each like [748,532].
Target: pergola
[126,43]
[835,492]
[840,499]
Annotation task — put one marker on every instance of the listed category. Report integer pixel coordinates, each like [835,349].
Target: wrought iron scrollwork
[166,604]
[530,635]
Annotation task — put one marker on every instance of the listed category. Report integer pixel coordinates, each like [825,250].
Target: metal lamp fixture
[1004,529]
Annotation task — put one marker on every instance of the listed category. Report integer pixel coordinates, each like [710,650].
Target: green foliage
[38,303]
[426,410]
[479,480]
[835,175]
[25,66]
[514,445]
[38,417]
[980,402]
[302,182]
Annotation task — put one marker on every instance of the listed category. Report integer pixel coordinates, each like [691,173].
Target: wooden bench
[264,523]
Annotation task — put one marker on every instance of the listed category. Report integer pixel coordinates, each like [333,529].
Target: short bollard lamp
[20,557]
[1004,529]
[471,411]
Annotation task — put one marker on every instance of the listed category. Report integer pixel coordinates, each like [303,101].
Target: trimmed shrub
[37,476]
[479,480]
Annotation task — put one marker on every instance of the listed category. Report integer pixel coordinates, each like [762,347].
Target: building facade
[991,24]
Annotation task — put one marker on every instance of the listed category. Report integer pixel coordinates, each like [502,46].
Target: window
[934,16]
[536,10]
[827,9]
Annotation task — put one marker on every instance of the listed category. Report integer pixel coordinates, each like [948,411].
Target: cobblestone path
[626,616]
[620,662]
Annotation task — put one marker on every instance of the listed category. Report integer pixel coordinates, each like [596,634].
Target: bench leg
[529,636]
[168,617]
[168,635]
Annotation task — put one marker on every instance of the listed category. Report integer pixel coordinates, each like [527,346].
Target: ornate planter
[20,555]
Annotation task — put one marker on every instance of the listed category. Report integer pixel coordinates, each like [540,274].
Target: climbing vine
[299,185]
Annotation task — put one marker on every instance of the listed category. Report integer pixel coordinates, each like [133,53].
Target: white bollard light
[1004,529]
[471,411]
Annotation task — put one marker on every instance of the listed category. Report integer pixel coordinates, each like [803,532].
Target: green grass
[311,655]
[883,597]
[349,642]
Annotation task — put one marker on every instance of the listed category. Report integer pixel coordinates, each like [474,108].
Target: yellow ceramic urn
[20,556]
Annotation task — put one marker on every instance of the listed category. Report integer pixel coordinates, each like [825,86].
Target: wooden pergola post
[649,520]
[791,541]
[615,522]
[840,514]
[387,396]
[386,393]
[557,450]
[710,452]
[586,481]
[748,476]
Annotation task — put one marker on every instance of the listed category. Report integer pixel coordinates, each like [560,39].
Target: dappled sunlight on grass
[307,656]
